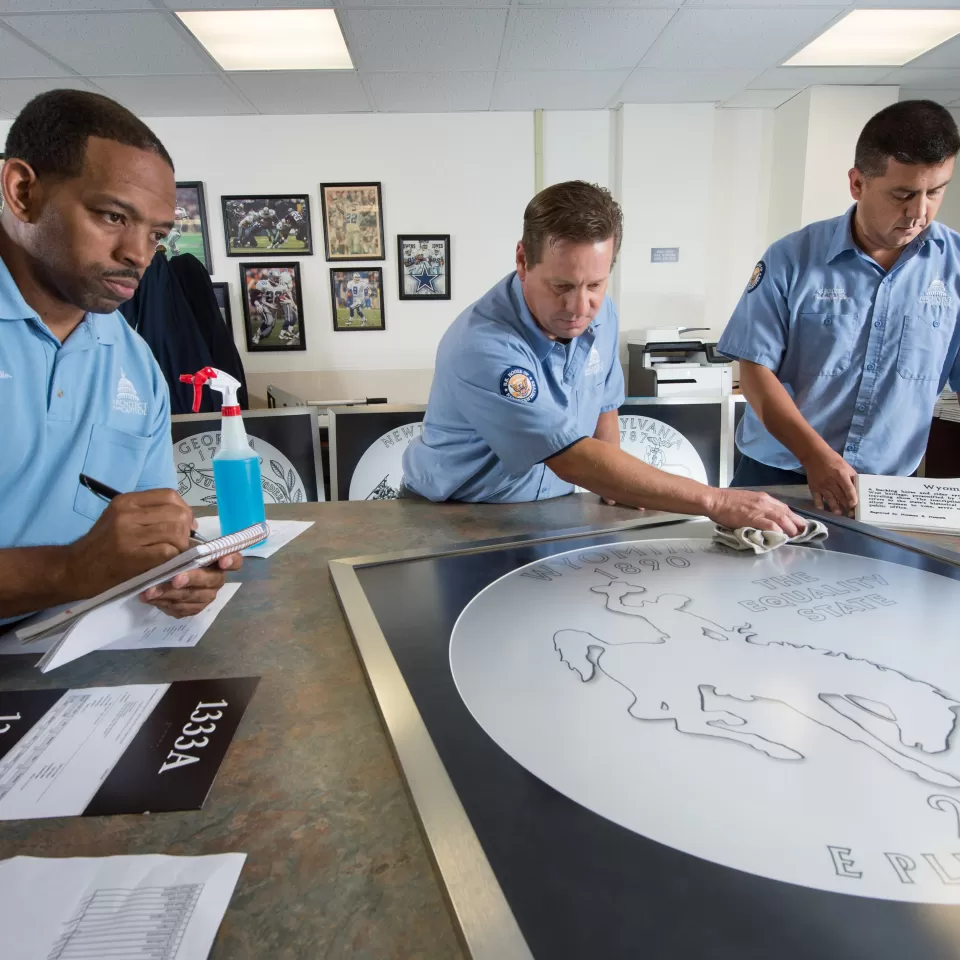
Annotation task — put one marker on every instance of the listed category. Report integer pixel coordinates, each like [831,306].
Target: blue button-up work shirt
[505,398]
[96,404]
[864,352]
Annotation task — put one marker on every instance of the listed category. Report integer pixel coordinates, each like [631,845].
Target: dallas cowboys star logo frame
[423,266]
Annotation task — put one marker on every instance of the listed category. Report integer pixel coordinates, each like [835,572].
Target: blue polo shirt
[863,352]
[505,398]
[96,404]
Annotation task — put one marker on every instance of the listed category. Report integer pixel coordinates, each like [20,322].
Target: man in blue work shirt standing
[88,193]
[527,385]
[847,331]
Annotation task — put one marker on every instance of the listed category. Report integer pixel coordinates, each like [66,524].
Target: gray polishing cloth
[763,541]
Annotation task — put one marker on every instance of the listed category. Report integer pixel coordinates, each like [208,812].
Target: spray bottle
[236,467]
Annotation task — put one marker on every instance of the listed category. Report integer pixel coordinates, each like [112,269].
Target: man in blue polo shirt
[88,193]
[527,383]
[847,331]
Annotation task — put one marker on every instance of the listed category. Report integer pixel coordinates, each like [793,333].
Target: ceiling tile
[15,94]
[557,89]
[424,3]
[242,4]
[175,96]
[424,40]
[756,3]
[600,39]
[114,44]
[71,6]
[430,92]
[709,38]
[648,85]
[908,4]
[759,99]
[946,97]
[308,91]
[601,3]
[944,57]
[19,59]
[912,77]
[798,78]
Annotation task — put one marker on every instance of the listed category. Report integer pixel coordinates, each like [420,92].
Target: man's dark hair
[912,131]
[577,211]
[52,130]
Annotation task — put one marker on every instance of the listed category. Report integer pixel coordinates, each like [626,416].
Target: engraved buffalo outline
[667,677]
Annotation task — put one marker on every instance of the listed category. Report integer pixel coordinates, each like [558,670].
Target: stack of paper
[947,407]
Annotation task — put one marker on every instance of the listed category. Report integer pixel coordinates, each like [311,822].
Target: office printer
[668,362]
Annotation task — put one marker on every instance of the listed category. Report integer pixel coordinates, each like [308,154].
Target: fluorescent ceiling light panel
[270,39]
[869,38]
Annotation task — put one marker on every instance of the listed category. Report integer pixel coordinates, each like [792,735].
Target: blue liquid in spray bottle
[236,467]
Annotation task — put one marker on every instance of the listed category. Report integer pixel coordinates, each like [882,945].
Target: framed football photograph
[352,221]
[357,299]
[272,307]
[221,290]
[423,266]
[189,233]
[277,225]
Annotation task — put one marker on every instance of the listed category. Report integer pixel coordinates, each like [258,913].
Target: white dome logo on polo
[193,460]
[128,400]
[594,363]
[379,471]
[793,715]
[658,444]
[937,294]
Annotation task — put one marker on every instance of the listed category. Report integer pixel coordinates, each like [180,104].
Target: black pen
[104,492]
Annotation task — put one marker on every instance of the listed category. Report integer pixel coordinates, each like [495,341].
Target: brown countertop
[308,790]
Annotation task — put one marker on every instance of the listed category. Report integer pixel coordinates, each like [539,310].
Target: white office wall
[950,208]
[715,183]
[469,175]
[578,145]
[739,210]
[837,115]
[815,136]
[666,181]
[789,165]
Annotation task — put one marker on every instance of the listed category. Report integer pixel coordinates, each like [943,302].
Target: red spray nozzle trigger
[198,379]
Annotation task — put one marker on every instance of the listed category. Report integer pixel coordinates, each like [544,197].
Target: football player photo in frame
[277,225]
[357,299]
[272,306]
[423,266]
[352,221]
[189,233]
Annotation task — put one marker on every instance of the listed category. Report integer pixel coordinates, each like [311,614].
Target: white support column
[815,134]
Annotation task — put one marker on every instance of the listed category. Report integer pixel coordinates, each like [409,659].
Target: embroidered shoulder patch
[758,274]
[518,383]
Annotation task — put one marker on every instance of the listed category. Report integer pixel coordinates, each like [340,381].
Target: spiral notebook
[199,556]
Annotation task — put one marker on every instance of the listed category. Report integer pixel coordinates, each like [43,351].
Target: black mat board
[584,888]
[355,433]
[291,435]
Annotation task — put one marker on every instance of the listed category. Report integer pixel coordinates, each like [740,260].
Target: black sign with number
[175,756]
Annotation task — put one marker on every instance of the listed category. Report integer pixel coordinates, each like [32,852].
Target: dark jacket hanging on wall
[175,310]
